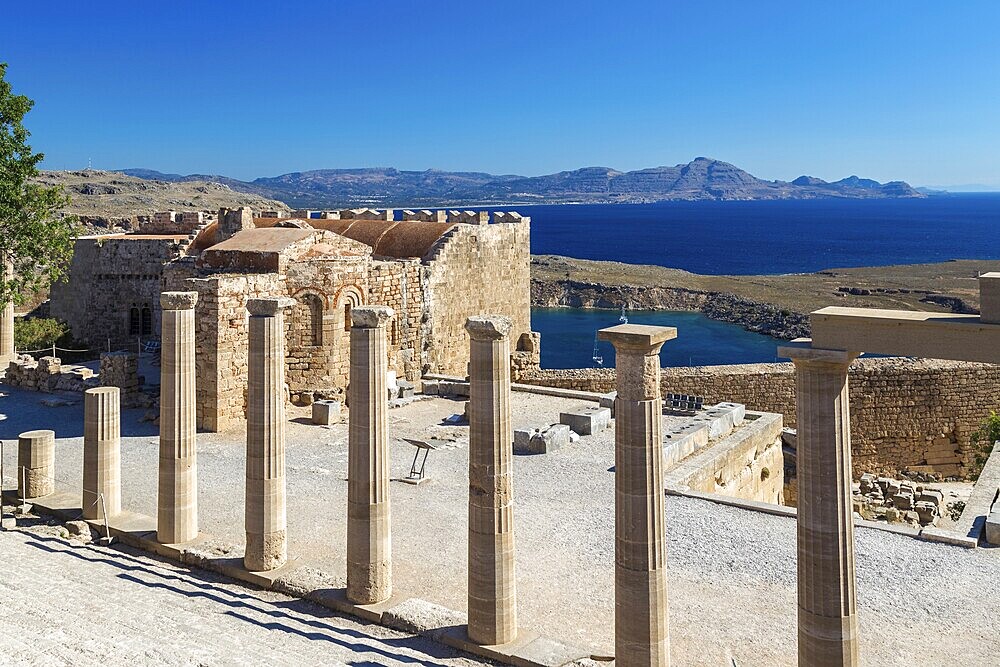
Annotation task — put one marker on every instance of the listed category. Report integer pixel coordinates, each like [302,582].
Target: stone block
[587,420]
[522,440]
[549,439]
[430,387]
[326,412]
[405,388]
[993,527]
[608,401]
[902,501]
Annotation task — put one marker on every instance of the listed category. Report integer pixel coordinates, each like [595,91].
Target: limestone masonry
[433,268]
[905,413]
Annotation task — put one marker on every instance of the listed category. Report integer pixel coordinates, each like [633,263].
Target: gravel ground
[121,607]
[732,571]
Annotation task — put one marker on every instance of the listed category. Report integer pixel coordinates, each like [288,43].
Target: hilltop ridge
[701,179]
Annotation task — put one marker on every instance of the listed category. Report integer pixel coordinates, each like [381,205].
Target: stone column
[7,326]
[102,452]
[265,489]
[177,499]
[369,543]
[828,625]
[641,637]
[492,591]
[36,464]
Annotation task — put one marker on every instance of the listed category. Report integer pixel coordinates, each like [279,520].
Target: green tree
[35,238]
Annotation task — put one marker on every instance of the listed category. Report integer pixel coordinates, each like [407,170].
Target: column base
[265,551]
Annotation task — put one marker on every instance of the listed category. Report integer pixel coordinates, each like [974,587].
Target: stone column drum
[492,591]
[369,543]
[828,625]
[7,326]
[641,637]
[177,498]
[102,460]
[36,464]
[265,474]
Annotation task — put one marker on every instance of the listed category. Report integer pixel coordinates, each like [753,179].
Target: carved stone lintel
[488,327]
[178,300]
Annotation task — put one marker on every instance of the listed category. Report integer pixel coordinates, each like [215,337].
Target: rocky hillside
[702,178]
[108,200]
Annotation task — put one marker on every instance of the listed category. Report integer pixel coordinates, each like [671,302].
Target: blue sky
[887,90]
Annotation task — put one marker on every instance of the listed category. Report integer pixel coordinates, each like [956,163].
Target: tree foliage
[39,333]
[35,238]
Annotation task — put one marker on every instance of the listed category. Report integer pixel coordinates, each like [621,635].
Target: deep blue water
[568,338]
[753,237]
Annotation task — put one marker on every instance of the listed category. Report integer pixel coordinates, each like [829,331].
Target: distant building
[434,270]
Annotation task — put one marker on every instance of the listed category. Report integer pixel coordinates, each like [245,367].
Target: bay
[568,338]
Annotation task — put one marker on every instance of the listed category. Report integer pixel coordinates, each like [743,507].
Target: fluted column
[492,590]
[36,464]
[828,625]
[369,543]
[7,326]
[641,638]
[102,452]
[177,498]
[265,490]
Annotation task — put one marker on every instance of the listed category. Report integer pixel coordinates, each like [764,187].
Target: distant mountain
[701,179]
[968,187]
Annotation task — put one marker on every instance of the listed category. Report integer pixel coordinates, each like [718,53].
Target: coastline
[775,305]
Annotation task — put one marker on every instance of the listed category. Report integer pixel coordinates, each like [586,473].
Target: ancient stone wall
[47,374]
[398,285]
[475,269]
[111,281]
[747,464]
[905,413]
[221,339]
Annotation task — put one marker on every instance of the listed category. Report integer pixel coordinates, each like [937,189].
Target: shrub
[982,442]
[37,333]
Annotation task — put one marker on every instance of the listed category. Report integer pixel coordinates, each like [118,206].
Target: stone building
[434,269]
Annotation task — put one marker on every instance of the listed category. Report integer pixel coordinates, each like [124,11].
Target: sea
[744,238]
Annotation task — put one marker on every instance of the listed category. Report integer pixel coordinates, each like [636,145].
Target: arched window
[315,319]
[147,321]
[347,316]
[307,320]
[134,322]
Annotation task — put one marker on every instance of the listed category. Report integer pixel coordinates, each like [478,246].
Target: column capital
[801,352]
[268,307]
[178,300]
[637,338]
[488,327]
[370,317]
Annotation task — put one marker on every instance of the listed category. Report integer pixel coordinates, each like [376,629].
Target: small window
[347,316]
[134,323]
[147,321]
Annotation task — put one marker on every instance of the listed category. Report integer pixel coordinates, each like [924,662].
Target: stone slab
[587,420]
[420,616]
[550,439]
[528,650]
[948,537]
[336,599]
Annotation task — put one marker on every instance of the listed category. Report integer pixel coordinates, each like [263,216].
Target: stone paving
[71,604]
[731,572]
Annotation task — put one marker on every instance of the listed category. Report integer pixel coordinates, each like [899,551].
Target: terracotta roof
[262,240]
[387,238]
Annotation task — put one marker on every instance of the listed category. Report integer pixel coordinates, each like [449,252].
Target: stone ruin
[434,269]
